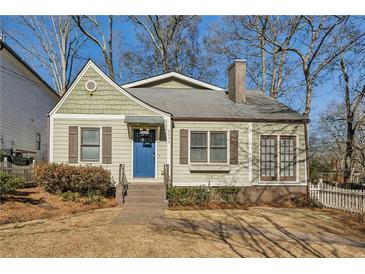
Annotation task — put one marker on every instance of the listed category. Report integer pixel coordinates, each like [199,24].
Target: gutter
[223,119]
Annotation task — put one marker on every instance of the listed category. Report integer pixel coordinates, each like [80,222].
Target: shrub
[9,183]
[60,178]
[187,196]
[227,194]
[70,196]
[93,199]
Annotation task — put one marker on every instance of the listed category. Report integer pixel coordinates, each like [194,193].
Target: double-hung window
[212,149]
[277,158]
[90,144]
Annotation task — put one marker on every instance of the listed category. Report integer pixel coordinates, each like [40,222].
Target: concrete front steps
[145,196]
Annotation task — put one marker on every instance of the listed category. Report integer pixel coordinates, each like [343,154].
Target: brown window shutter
[233,147]
[107,145]
[184,146]
[73,140]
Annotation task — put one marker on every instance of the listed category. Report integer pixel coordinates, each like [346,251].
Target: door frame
[132,155]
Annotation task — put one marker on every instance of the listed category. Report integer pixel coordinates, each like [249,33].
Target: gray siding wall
[121,145]
[24,104]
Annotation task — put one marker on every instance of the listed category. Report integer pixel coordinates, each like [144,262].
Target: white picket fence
[334,197]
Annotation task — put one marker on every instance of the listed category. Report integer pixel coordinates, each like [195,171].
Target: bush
[9,183]
[187,196]
[60,178]
[93,199]
[70,196]
[227,194]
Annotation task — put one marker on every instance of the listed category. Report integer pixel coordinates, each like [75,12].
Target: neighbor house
[205,134]
[25,100]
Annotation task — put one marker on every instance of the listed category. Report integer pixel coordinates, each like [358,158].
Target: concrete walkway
[140,217]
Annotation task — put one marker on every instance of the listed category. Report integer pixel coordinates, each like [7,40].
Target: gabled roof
[89,64]
[208,105]
[173,74]
[3,45]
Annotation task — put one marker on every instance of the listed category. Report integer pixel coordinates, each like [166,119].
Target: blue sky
[323,95]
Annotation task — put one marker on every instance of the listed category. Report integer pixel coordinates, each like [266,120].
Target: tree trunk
[350,132]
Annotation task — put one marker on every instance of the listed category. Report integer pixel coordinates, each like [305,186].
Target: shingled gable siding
[105,100]
[238,174]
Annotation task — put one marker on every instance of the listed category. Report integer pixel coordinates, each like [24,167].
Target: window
[268,158]
[287,158]
[38,141]
[90,144]
[198,147]
[218,147]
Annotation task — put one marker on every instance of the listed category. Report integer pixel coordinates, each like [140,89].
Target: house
[25,100]
[206,135]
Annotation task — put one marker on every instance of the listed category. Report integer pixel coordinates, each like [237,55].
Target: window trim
[81,128]
[280,179]
[207,146]
[210,146]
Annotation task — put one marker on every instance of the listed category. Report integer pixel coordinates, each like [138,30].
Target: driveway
[256,232]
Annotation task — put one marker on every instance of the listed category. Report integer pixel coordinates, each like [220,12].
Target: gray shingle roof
[209,104]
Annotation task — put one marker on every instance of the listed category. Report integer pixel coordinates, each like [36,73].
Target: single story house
[206,135]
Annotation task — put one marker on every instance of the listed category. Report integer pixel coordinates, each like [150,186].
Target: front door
[144,153]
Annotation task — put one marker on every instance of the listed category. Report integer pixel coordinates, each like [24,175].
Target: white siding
[121,145]
[24,104]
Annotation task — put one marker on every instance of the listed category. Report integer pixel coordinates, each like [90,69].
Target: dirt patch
[35,203]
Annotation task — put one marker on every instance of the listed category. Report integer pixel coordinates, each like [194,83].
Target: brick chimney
[236,81]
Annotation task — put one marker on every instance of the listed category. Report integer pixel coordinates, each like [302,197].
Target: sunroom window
[90,144]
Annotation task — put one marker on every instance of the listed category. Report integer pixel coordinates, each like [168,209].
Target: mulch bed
[35,203]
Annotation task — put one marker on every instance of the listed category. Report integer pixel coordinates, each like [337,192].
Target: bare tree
[353,101]
[320,41]
[343,124]
[56,46]
[244,37]
[100,35]
[165,43]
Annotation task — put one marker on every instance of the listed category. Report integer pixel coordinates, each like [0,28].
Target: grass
[254,232]
[34,203]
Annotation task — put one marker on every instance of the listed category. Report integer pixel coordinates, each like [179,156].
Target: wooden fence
[23,171]
[334,197]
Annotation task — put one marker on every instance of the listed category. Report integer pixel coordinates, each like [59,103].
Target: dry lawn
[255,232]
[34,203]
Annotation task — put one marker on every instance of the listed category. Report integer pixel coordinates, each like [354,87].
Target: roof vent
[91,86]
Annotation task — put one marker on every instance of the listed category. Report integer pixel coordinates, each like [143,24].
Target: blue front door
[144,153]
